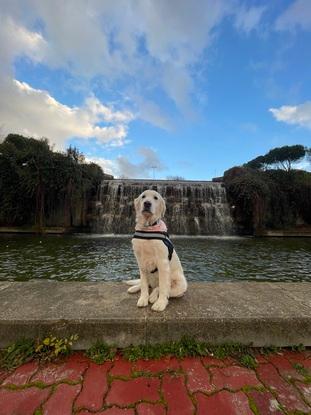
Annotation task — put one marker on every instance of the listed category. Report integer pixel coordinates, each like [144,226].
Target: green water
[98,258]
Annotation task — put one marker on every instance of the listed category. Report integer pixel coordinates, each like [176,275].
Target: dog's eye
[143,196]
[155,197]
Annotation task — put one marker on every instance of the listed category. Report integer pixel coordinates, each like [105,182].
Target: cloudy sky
[163,87]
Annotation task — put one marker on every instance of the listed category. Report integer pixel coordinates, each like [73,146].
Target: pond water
[87,257]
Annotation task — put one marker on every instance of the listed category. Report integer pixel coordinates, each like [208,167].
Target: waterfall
[193,208]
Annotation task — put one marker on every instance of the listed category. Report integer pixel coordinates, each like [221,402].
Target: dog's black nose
[147,205]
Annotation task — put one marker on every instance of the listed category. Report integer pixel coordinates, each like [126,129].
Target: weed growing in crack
[100,352]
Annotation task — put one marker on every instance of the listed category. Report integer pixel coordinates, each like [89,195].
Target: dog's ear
[162,206]
[136,201]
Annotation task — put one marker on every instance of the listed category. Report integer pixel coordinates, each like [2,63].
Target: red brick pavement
[280,385]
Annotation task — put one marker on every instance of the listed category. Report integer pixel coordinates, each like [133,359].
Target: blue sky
[190,88]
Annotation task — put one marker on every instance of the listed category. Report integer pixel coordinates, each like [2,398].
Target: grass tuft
[180,349]
[100,352]
[25,350]
[17,354]
[186,347]
[303,371]
[298,347]
[266,350]
[248,361]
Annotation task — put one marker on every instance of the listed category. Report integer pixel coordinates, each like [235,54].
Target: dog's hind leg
[178,288]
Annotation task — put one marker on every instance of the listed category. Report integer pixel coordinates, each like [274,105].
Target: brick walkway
[281,384]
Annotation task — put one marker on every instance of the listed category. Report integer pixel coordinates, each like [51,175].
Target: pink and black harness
[156,231]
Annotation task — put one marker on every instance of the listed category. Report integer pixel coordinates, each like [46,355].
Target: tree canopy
[268,199]
[281,157]
[36,182]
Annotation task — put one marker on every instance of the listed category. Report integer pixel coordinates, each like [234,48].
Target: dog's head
[149,207]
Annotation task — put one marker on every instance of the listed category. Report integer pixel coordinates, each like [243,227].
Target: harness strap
[170,247]
[152,235]
[163,236]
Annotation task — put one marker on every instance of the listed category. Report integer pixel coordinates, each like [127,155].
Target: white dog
[159,265]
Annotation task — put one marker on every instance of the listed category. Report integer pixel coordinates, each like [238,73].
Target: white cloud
[16,40]
[249,19]
[296,115]
[35,112]
[123,167]
[114,32]
[108,166]
[151,112]
[298,14]
[144,169]
[151,45]
[304,164]
[179,85]
[97,110]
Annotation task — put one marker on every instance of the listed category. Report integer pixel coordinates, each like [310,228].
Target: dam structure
[192,207]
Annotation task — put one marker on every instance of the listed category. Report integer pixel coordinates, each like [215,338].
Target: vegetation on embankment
[41,187]
[267,193]
[52,348]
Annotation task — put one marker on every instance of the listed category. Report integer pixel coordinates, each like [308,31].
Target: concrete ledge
[247,312]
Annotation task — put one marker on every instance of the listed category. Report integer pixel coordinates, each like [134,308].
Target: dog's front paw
[160,304]
[154,295]
[142,302]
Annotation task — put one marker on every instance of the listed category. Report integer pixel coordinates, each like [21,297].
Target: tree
[271,199]
[36,182]
[75,154]
[285,156]
[257,163]
[282,157]
[24,165]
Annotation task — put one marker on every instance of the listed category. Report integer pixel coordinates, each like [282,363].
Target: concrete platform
[247,312]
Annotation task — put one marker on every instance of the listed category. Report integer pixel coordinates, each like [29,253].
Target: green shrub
[51,347]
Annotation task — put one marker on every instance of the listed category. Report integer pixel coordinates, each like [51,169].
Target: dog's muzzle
[147,207]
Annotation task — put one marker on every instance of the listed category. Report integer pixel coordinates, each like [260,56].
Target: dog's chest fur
[145,253]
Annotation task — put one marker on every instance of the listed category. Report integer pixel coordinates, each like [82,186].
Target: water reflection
[98,258]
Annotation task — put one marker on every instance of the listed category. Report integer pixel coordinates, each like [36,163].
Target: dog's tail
[134,289]
[132,282]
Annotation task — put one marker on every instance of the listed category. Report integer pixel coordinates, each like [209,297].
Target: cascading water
[192,208]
